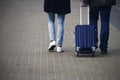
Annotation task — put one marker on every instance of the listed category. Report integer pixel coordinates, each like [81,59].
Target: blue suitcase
[84,38]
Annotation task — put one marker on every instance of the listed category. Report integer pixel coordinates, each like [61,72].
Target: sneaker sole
[60,51]
[52,47]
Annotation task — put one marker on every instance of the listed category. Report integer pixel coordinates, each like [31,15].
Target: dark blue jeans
[104,13]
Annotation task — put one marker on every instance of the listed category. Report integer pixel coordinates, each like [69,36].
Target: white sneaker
[52,45]
[59,49]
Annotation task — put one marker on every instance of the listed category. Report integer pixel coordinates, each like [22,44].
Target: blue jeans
[60,28]
[104,12]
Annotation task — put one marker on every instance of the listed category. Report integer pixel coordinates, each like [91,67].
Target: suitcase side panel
[84,36]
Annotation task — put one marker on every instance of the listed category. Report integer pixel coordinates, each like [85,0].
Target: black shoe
[104,52]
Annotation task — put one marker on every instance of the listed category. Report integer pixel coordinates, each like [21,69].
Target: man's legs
[94,16]
[104,34]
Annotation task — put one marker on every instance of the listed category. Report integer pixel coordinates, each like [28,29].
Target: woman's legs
[51,26]
[60,29]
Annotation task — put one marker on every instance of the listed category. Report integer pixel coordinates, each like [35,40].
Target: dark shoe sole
[52,47]
[104,52]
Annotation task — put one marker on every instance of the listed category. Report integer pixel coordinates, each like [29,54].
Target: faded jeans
[58,37]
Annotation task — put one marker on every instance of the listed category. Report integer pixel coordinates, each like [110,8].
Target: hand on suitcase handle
[84,4]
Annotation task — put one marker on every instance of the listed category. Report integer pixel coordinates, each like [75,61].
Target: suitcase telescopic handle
[81,15]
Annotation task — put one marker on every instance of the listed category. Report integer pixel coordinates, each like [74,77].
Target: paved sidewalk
[24,41]
[115,15]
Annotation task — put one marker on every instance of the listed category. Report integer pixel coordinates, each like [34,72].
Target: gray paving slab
[24,41]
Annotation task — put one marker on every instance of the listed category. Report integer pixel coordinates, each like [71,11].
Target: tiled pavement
[115,15]
[24,41]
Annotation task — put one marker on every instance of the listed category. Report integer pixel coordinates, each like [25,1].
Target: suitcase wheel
[78,54]
[93,54]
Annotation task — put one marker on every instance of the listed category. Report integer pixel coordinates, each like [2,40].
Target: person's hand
[84,4]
